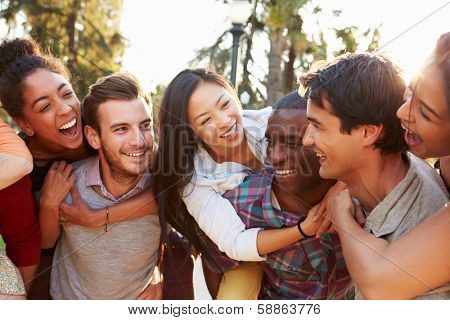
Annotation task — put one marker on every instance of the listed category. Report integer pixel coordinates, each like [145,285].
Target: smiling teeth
[69,124]
[231,132]
[135,154]
[284,172]
[320,155]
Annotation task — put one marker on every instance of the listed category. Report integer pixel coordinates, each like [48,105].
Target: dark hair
[117,86]
[175,162]
[362,89]
[441,58]
[292,100]
[19,58]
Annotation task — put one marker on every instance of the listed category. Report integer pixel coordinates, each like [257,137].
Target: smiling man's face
[126,136]
[296,166]
[337,151]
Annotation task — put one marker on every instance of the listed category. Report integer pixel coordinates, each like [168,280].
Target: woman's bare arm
[80,213]
[398,270]
[57,183]
[13,169]
[275,239]
[15,159]
[217,217]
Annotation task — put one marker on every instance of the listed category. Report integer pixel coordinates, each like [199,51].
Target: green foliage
[280,12]
[2,244]
[84,34]
[216,55]
[157,96]
[374,42]
[296,48]
[347,35]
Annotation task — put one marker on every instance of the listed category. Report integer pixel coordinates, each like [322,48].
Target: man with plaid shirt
[312,268]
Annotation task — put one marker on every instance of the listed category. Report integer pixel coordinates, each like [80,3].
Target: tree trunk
[71,33]
[274,76]
[289,80]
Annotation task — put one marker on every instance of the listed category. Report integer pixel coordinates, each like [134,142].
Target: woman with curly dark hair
[36,92]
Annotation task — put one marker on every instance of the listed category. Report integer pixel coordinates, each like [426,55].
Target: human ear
[371,134]
[92,137]
[24,126]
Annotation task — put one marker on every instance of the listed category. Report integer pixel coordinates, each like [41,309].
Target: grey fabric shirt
[90,263]
[419,194]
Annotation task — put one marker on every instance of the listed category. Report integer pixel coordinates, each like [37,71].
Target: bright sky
[164,35]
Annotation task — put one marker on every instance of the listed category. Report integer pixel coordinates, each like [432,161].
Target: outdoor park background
[156,39]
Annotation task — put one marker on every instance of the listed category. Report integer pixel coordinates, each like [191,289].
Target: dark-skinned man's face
[297,167]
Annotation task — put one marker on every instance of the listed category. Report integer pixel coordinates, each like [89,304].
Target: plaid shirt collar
[254,199]
[308,269]
[93,178]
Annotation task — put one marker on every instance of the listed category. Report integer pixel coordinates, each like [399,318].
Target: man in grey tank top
[118,260]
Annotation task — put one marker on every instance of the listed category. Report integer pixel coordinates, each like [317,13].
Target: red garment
[19,225]
[178,269]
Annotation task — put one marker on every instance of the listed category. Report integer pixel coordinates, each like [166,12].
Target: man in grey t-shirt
[118,260]
[353,127]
